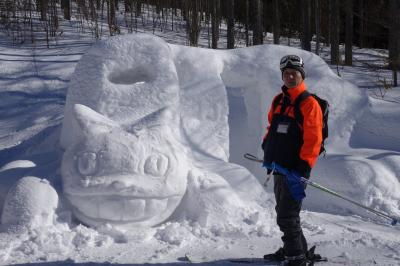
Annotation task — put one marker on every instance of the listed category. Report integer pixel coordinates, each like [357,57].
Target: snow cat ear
[92,122]
[154,121]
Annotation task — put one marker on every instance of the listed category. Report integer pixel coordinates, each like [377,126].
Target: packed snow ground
[221,98]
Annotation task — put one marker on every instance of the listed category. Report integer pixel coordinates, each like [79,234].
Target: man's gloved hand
[268,167]
[295,185]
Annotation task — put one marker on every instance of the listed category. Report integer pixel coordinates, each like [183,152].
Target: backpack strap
[285,102]
[277,100]
[297,112]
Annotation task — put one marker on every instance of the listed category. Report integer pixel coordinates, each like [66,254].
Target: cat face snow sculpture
[125,176]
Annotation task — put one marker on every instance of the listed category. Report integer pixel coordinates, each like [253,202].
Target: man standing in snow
[295,145]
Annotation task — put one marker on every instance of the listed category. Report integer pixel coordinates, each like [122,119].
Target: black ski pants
[288,219]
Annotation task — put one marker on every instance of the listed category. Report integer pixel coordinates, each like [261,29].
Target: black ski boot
[312,257]
[295,261]
[279,255]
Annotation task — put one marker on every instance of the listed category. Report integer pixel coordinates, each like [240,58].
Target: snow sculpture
[133,107]
[125,176]
[121,134]
[30,202]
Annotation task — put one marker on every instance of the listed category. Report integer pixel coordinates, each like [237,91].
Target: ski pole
[284,171]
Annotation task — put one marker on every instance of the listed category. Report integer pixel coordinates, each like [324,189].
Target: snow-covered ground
[155,120]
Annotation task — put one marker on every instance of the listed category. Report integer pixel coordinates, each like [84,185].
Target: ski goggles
[292,60]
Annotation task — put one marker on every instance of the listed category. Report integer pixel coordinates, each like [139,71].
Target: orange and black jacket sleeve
[312,131]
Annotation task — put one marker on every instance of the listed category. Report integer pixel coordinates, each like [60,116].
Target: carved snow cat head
[123,162]
[137,126]
[131,175]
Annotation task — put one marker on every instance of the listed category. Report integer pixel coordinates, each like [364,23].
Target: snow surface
[150,149]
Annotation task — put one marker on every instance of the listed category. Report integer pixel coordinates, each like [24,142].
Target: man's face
[292,78]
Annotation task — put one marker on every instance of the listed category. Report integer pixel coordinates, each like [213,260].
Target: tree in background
[66,7]
[247,21]
[276,25]
[334,31]
[306,17]
[335,22]
[349,32]
[258,37]
[42,7]
[192,8]
[394,39]
[317,12]
[230,24]
[361,27]
[112,19]
[215,21]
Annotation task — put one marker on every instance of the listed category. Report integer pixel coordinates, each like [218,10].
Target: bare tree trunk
[127,4]
[66,7]
[31,22]
[306,34]
[394,39]
[276,21]
[43,7]
[53,18]
[112,20]
[349,33]
[138,8]
[193,21]
[215,20]
[317,26]
[361,30]
[258,25]
[94,18]
[247,22]
[230,24]
[334,30]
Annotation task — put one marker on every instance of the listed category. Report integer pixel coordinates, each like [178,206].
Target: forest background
[340,25]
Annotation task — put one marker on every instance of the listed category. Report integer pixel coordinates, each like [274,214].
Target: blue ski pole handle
[293,181]
[394,220]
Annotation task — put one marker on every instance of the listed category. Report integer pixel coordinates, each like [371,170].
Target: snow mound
[31,202]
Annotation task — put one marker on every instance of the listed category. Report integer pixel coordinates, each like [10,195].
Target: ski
[312,258]
[321,259]
[255,261]
[261,261]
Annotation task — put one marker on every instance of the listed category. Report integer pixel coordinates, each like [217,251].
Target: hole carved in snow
[126,176]
[130,76]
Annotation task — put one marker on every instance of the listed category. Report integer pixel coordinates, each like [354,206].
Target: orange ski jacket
[312,123]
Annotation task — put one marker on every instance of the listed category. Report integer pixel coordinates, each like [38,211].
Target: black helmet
[293,62]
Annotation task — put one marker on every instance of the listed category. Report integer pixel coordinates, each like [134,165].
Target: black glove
[303,169]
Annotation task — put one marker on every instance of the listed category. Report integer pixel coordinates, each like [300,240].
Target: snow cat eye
[87,163]
[156,165]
